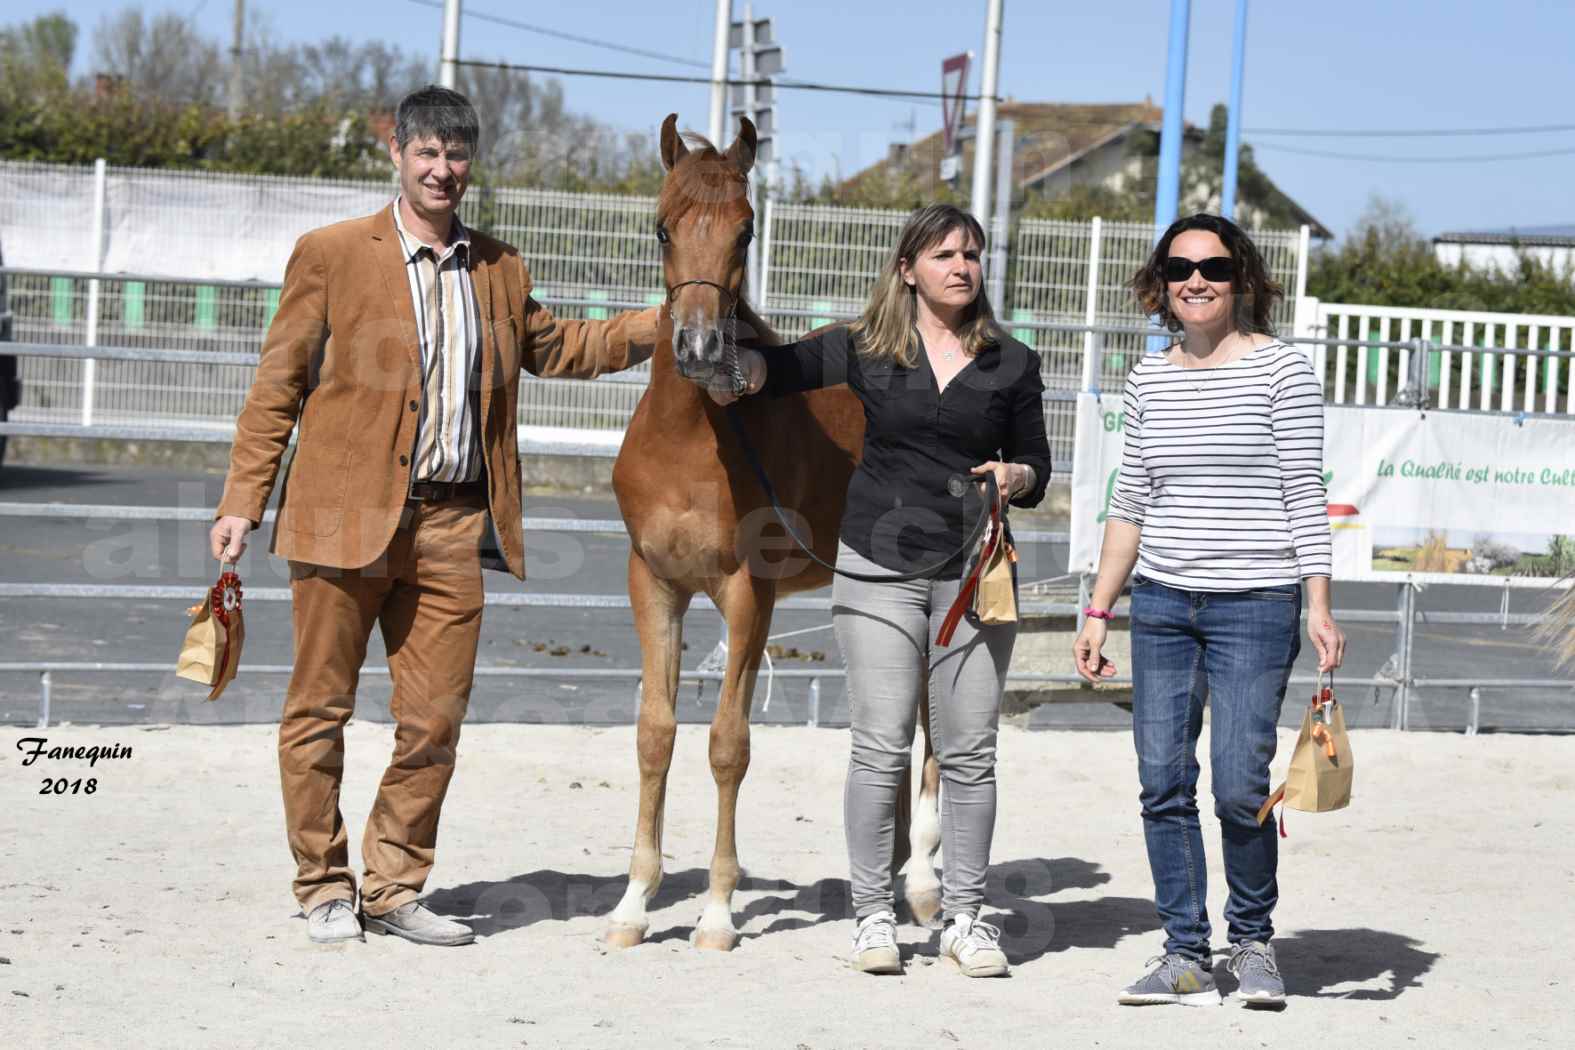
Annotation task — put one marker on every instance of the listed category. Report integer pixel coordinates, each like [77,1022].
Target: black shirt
[899,514]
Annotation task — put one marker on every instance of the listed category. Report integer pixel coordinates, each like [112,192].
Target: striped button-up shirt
[448,443]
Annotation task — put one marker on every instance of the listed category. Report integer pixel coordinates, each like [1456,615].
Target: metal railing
[1397,675]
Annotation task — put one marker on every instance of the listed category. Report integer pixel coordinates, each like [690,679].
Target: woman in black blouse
[945,391]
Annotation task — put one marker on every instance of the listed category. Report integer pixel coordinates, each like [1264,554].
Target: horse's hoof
[619,935]
[716,940]
[925,906]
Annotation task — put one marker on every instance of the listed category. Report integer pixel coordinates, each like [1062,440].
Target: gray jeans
[887,633]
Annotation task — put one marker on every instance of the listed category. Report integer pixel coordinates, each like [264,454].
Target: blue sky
[1334,64]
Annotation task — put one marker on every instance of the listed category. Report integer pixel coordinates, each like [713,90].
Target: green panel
[60,300]
[1023,335]
[207,306]
[1435,364]
[597,313]
[133,299]
[270,305]
[1373,353]
[816,322]
[655,298]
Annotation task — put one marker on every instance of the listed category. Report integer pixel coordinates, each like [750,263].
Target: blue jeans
[1236,648]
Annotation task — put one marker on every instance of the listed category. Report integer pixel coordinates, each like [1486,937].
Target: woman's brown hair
[1253,291]
[886,330]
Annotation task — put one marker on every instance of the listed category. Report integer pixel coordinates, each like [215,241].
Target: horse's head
[704,222]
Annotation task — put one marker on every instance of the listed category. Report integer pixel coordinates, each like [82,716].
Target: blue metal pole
[1233,117]
[1167,194]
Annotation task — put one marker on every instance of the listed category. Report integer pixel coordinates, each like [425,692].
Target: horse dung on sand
[699,522]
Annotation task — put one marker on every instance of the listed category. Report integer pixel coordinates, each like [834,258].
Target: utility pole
[236,85]
[760,59]
[724,19]
[984,142]
[1233,118]
[1006,151]
[448,71]
[1167,193]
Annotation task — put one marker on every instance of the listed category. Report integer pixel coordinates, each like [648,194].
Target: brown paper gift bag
[211,652]
[1319,777]
[995,599]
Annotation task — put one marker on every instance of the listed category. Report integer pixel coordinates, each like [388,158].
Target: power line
[482,16]
[1380,158]
[1532,129]
[670,78]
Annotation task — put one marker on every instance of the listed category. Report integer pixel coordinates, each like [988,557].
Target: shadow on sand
[1017,893]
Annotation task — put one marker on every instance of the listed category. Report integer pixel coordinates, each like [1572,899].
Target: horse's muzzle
[698,352]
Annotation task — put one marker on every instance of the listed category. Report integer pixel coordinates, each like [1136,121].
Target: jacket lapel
[481,279]
[391,261]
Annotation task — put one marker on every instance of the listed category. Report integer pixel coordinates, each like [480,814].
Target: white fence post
[1091,341]
[765,251]
[90,366]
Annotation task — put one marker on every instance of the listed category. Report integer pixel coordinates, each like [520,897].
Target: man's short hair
[437,112]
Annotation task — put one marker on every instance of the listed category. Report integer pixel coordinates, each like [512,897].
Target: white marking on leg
[718,916]
[924,838]
[631,909]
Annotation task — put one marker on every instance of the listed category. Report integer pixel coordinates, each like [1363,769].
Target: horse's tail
[1558,628]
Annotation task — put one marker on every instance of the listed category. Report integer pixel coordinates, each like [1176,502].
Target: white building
[1553,245]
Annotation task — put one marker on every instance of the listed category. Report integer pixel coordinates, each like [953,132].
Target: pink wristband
[1098,614]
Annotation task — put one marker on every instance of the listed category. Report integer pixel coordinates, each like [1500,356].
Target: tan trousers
[426,594]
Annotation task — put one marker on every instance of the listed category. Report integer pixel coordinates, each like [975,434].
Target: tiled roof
[1538,236]
[1051,134]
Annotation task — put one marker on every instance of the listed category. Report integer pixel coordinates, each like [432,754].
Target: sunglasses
[1219,269]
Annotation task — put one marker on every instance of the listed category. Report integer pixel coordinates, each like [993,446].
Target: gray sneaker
[332,922]
[974,946]
[1252,963]
[416,922]
[875,944]
[1173,979]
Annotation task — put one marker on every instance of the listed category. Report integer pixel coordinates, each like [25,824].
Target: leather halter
[730,366]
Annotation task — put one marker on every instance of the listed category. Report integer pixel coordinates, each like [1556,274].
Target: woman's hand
[1006,475]
[1085,651]
[753,367]
[1326,638]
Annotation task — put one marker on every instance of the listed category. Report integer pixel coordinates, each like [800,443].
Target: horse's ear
[742,151]
[673,148]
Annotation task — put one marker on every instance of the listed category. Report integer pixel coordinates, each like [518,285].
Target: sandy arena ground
[156,912]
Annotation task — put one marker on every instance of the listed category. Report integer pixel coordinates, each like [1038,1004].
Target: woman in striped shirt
[1220,505]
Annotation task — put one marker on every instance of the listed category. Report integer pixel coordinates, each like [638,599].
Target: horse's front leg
[745,603]
[921,887]
[659,618]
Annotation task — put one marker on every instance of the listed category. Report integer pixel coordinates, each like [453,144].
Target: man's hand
[227,538]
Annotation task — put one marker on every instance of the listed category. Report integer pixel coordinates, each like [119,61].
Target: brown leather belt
[441,491]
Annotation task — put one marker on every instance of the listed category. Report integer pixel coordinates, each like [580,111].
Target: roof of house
[1531,236]
[1051,136]
[1060,133]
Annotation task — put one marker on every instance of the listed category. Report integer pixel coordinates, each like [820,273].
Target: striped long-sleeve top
[1223,471]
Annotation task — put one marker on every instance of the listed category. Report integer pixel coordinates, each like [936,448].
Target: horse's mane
[704,180]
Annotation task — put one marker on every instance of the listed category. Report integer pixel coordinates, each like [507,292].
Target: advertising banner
[1427,496]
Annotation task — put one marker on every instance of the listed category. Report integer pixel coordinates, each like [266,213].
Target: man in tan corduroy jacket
[395,356]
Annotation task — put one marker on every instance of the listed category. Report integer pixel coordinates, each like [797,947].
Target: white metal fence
[1359,374]
[199,257]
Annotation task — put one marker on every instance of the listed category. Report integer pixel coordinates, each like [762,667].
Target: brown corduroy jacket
[341,361]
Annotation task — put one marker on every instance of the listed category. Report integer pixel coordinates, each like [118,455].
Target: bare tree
[160,57]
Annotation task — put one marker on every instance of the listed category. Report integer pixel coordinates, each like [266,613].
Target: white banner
[1434,497]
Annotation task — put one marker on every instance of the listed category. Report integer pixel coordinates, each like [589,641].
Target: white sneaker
[875,944]
[974,946]
[416,922]
[332,922]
